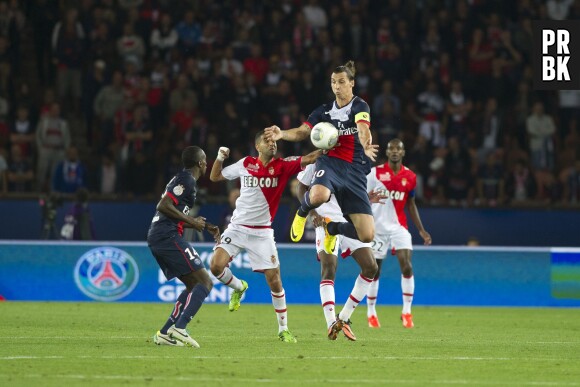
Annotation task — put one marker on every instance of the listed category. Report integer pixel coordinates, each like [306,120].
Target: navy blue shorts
[347,181]
[174,255]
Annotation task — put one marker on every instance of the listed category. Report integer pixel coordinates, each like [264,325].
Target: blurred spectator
[520,184]
[558,9]
[70,174]
[541,128]
[189,32]
[52,139]
[458,182]
[163,39]
[256,64]
[491,130]
[138,175]
[20,174]
[137,134]
[92,84]
[458,106]
[78,221]
[315,15]
[68,47]
[108,175]
[44,15]
[180,93]
[22,132]
[109,99]
[490,183]
[130,46]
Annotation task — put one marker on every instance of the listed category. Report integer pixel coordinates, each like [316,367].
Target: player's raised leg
[279,302]
[220,270]
[313,198]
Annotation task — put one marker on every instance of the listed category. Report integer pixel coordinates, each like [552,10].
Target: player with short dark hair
[342,171]
[175,256]
[397,184]
[263,180]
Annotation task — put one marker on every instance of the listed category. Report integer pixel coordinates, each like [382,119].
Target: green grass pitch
[55,344]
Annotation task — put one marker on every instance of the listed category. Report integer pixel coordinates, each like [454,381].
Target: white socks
[360,290]
[229,279]
[279,302]
[372,298]
[408,287]
[327,300]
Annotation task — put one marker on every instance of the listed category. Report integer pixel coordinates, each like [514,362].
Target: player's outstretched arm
[274,133]
[414,212]
[216,169]
[167,208]
[310,158]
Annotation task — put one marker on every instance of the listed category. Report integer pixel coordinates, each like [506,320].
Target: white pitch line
[180,356]
[287,381]
[209,338]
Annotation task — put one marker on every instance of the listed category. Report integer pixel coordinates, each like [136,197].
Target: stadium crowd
[105,94]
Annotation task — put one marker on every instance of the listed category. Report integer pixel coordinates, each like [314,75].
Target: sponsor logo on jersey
[394,195]
[178,190]
[106,273]
[291,158]
[253,167]
[385,176]
[404,181]
[262,182]
[273,258]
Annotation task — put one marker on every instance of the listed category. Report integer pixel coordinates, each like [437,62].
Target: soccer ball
[324,135]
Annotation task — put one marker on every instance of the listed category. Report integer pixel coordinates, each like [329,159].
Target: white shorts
[397,239]
[259,243]
[347,245]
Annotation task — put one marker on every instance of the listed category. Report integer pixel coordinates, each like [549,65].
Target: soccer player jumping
[342,171]
[397,183]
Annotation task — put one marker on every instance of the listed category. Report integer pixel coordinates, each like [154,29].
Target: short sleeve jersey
[345,120]
[398,188]
[261,188]
[182,190]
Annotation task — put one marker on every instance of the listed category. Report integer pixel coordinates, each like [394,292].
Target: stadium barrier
[122,271]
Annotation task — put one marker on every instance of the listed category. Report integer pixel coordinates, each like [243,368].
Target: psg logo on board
[106,273]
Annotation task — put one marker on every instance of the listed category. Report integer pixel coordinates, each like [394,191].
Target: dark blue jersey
[182,190]
[345,120]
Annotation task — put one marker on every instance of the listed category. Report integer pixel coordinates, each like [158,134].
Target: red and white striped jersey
[261,188]
[398,188]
